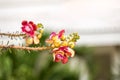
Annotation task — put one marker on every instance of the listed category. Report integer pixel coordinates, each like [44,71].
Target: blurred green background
[88,64]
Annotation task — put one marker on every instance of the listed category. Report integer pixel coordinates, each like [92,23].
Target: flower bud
[63,37]
[71,44]
[29,40]
[41,31]
[52,45]
[39,36]
[57,43]
[49,41]
[36,40]
[55,38]
[39,25]
[64,43]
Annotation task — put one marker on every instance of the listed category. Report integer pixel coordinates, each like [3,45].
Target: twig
[25,48]
[10,34]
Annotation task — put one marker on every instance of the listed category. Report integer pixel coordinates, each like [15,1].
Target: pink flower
[60,57]
[55,37]
[60,34]
[62,54]
[29,28]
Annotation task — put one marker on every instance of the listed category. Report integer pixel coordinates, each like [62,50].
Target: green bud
[39,25]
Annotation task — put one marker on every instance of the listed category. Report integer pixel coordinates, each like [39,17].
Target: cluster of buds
[33,32]
[62,45]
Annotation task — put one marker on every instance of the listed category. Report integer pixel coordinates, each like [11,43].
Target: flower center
[27,28]
[59,56]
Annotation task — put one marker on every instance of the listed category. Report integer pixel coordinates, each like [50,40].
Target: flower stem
[25,48]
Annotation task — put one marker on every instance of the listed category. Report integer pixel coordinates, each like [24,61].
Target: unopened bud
[64,43]
[36,40]
[29,40]
[71,44]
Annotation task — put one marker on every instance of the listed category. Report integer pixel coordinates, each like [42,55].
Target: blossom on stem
[62,54]
[62,45]
[33,32]
[56,39]
[29,28]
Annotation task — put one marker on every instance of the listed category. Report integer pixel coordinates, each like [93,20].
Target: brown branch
[10,34]
[25,48]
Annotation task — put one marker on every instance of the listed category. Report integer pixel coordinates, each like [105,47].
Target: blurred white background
[96,21]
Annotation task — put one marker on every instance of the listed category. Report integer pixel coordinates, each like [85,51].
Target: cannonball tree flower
[29,28]
[33,32]
[62,54]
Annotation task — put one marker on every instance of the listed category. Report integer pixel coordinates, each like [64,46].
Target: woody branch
[25,48]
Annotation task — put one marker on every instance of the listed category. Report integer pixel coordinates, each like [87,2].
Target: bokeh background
[97,52]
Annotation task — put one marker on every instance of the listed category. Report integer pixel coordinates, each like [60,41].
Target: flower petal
[71,51]
[49,41]
[24,22]
[61,33]
[52,34]
[68,51]
[30,22]
[55,49]
[58,57]
[64,60]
